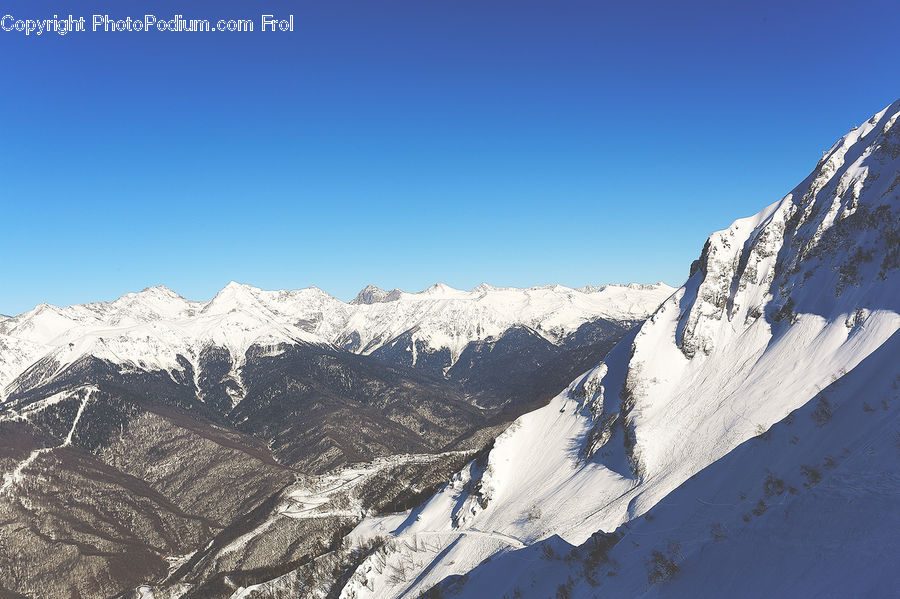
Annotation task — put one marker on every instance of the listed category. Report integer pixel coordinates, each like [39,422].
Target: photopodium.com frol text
[148,23]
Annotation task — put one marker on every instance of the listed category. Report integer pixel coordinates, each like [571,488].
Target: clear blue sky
[402,143]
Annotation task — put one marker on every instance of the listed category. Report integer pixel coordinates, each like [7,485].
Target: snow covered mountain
[152,328]
[779,353]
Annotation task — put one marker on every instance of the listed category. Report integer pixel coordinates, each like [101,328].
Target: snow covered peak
[159,291]
[778,305]
[369,295]
[237,290]
[829,244]
[233,296]
[148,304]
[442,290]
[234,286]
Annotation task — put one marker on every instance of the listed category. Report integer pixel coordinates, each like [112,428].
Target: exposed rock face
[841,218]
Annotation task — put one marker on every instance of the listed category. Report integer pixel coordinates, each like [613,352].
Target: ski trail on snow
[15,476]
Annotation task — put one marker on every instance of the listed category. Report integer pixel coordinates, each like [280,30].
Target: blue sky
[402,143]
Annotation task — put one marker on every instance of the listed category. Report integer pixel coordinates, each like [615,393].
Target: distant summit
[375,295]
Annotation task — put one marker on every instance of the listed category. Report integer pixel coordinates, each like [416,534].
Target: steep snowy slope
[779,306]
[152,328]
[807,509]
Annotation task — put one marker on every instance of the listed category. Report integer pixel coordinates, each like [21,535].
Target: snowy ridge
[779,306]
[150,329]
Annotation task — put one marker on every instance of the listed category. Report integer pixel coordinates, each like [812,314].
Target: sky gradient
[404,143]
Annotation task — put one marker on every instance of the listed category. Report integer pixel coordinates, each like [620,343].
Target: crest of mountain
[778,358]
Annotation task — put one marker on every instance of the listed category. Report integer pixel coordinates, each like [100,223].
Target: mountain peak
[231,297]
[235,289]
[234,285]
[485,288]
[159,291]
[439,289]
[371,294]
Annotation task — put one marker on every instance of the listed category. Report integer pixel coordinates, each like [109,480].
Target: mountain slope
[778,307]
[806,509]
[100,486]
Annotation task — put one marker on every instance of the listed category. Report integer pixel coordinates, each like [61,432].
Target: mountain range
[159,407]
[430,329]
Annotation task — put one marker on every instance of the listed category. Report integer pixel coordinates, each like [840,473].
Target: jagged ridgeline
[143,438]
